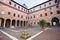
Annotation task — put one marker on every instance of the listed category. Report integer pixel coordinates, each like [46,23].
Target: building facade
[13,14]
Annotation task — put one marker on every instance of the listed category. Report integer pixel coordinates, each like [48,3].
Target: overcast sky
[30,3]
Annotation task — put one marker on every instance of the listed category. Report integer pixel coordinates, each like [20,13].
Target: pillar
[4,23]
[15,23]
[11,23]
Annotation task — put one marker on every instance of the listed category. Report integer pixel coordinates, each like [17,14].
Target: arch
[21,23]
[17,22]
[55,21]
[1,22]
[8,23]
[13,22]
[24,23]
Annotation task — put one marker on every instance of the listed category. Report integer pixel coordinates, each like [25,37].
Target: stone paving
[4,37]
[51,34]
[16,32]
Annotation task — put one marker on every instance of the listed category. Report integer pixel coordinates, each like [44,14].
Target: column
[19,23]
[0,22]
[4,23]
[15,23]
[11,23]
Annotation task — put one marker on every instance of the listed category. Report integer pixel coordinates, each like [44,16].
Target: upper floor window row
[15,5]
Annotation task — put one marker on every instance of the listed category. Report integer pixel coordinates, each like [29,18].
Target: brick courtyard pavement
[4,37]
[50,34]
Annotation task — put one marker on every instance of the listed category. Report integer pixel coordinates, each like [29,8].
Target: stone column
[11,23]
[4,23]
[15,23]
[19,24]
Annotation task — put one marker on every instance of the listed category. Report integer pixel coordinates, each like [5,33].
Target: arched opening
[55,21]
[8,23]
[13,22]
[17,22]
[21,23]
[24,23]
[1,22]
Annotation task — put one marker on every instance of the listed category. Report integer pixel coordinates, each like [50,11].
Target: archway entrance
[24,23]
[17,22]
[1,22]
[13,23]
[8,23]
[21,23]
[55,21]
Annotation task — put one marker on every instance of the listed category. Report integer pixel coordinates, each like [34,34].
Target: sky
[30,3]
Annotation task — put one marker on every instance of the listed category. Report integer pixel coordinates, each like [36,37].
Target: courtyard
[52,33]
[16,32]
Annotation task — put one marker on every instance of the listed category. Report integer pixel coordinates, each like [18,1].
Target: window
[50,8]
[40,6]
[26,17]
[8,13]
[34,16]
[10,3]
[31,10]
[31,22]
[51,12]
[31,16]
[49,3]
[57,6]
[22,8]
[34,23]
[40,15]
[18,15]
[21,16]
[45,9]
[14,5]
[44,5]
[58,12]
[45,14]
[56,1]
[14,14]
[18,6]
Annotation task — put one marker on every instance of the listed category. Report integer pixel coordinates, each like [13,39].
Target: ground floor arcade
[12,23]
